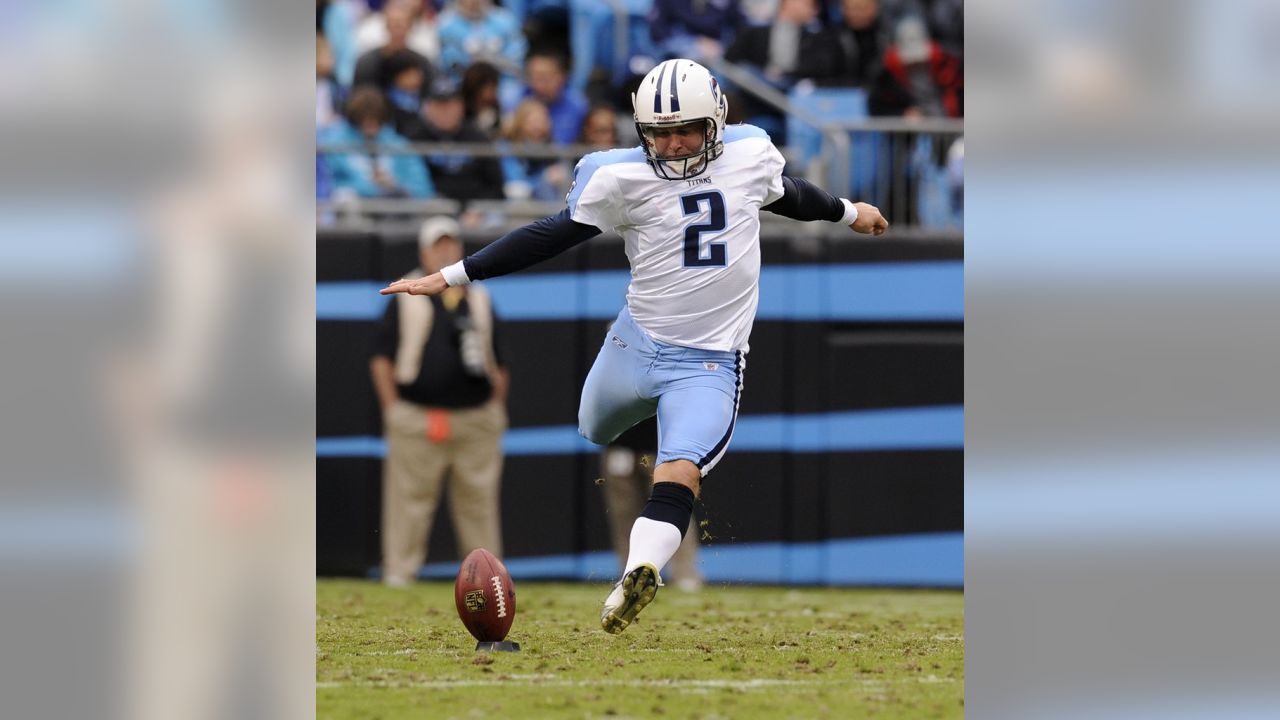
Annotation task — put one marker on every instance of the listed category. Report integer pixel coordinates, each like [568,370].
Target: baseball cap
[437,227]
[444,87]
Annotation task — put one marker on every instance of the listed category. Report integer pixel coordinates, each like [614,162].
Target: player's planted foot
[633,592]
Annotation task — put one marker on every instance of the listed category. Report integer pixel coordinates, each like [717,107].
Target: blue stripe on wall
[930,290]
[349,300]
[887,429]
[937,427]
[929,559]
[351,446]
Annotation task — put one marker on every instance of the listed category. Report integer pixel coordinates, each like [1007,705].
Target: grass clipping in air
[725,652]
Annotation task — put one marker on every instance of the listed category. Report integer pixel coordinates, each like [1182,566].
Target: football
[485,597]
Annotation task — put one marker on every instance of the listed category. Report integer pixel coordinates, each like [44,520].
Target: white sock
[652,541]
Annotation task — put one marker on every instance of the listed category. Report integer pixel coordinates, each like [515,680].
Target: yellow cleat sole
[639,587]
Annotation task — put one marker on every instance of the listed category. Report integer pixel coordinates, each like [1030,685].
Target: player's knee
[586,428]
[683,472]
[594,433]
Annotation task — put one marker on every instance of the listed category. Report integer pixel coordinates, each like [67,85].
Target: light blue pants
[695,394]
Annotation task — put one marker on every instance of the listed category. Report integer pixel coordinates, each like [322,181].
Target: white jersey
[694,244]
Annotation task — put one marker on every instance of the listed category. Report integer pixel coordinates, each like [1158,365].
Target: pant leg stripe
[709,460]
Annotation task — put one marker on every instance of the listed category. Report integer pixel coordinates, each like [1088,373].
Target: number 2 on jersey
[717,252]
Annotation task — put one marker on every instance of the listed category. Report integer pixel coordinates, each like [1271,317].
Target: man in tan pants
[442,387]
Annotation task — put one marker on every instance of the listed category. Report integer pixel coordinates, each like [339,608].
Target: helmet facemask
[684,166]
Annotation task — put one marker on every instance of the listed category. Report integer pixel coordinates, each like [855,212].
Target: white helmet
[674,93]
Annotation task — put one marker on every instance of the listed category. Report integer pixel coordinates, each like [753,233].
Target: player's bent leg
[610,404]
[604,419]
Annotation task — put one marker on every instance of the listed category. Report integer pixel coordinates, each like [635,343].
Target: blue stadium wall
[846,466]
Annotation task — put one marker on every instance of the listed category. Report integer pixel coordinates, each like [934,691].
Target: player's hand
[432,284]
[869,221]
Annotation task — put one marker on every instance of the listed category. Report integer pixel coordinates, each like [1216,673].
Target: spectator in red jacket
[920,78]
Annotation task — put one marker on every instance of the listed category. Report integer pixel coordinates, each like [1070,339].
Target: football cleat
[630,595]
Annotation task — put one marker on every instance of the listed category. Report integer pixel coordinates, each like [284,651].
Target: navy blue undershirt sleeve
[802,200]
[528,245]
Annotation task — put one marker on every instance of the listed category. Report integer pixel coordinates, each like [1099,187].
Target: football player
[687,204]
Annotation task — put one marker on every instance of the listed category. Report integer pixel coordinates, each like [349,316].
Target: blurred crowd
[545,72]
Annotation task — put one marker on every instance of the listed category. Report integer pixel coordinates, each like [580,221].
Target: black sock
[670,502]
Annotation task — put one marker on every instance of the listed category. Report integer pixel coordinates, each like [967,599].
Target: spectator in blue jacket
[372,173]
[473,30]
[546,72]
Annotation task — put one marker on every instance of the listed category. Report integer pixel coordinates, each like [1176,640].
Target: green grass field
[726,652]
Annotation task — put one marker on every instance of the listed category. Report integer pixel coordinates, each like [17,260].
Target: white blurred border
[1122,280]
[157,305]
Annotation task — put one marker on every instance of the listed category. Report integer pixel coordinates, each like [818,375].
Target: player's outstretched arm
[514,251]
[802,200]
